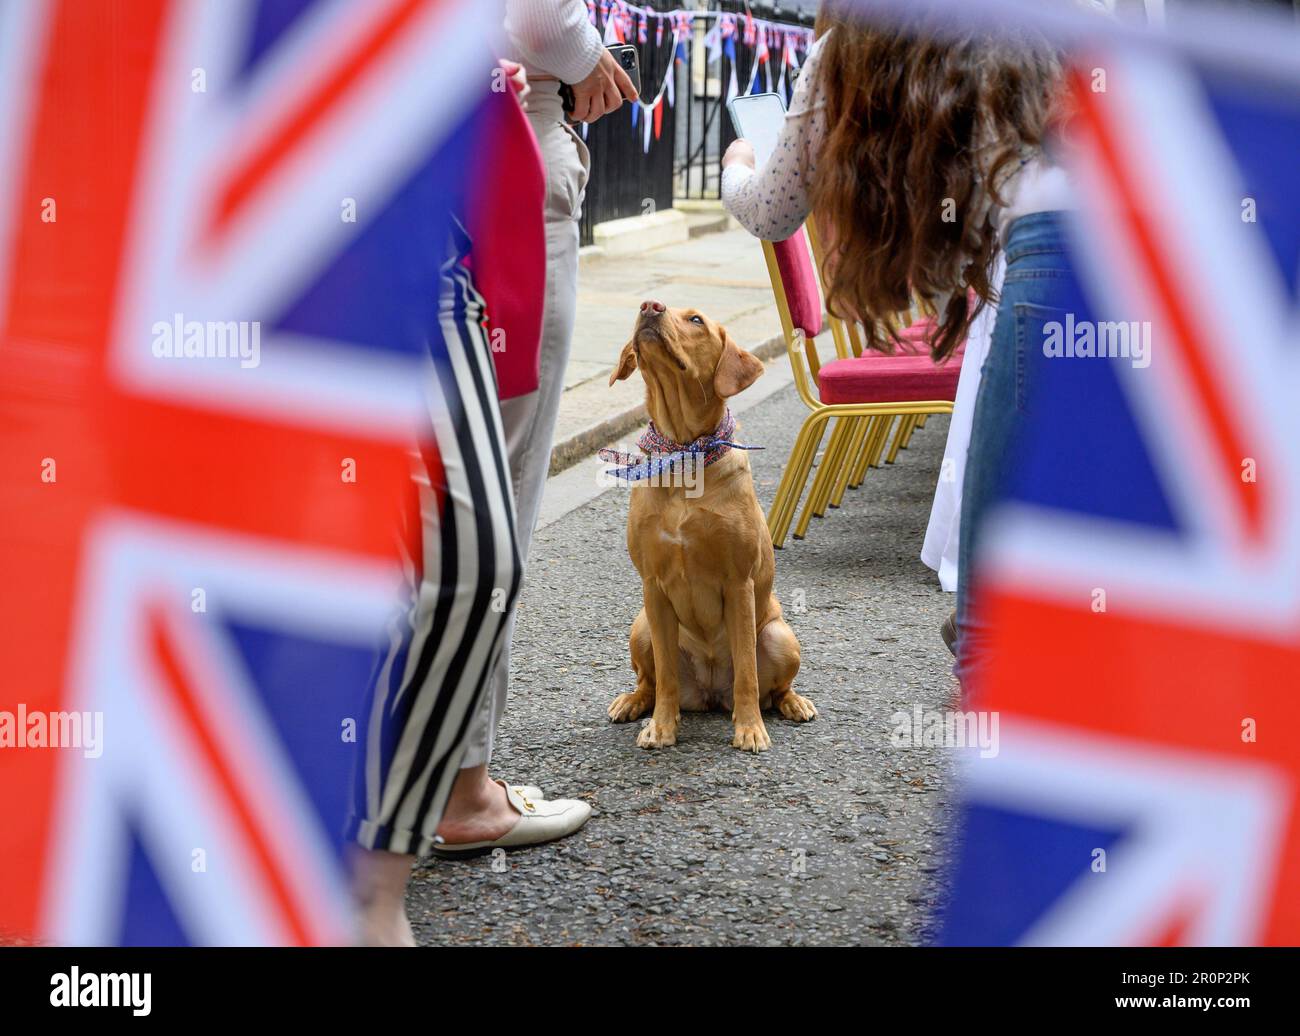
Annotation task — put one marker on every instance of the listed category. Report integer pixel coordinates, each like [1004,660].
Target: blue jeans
[1039,281]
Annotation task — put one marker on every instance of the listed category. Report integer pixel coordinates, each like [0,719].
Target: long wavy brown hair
[922,129]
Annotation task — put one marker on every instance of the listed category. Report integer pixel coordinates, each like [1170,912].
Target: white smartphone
[758,118]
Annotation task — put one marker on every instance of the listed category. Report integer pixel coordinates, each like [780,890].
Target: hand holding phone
[739,152]
[617,76]
[758,119]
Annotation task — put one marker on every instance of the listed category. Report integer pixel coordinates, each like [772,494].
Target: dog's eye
[697,319]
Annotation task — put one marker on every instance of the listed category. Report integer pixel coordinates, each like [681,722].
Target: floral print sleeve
[772,203]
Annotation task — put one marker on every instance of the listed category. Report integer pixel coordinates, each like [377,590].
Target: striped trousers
[431,681]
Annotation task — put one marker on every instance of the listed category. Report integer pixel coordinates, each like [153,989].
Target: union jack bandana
[664,454]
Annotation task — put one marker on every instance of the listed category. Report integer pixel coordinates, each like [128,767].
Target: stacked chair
[859,395]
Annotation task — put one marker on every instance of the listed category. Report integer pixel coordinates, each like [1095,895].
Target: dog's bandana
[662,454]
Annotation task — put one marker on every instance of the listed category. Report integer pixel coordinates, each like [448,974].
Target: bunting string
[774,48]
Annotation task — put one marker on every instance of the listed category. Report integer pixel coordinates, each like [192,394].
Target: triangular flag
[753,78]
[681,31]
[645,123]
[669,80]
[713,40]
[659,116]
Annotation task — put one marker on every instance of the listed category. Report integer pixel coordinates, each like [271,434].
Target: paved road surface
[832,837]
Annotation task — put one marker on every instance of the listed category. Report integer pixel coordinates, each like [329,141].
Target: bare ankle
[473,792]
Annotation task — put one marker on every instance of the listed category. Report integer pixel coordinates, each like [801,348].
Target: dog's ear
[626,364]
[737,369]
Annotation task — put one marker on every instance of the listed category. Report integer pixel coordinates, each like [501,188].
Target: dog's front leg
[661,731]
[738,613]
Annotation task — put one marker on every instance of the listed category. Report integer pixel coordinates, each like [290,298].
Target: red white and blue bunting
[777,48]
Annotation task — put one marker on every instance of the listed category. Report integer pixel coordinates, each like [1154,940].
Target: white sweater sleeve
[554,36]
[772,203]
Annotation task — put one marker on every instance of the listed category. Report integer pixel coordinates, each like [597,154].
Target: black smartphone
[628,60]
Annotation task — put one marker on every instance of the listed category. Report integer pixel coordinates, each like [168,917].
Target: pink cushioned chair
[859,392]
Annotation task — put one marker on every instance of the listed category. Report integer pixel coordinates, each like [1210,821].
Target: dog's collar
[663,454]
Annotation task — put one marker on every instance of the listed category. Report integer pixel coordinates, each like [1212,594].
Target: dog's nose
[651,306]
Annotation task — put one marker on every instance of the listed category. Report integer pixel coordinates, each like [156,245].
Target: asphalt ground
[836,836]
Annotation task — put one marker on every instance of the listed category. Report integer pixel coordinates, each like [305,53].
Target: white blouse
[772,203]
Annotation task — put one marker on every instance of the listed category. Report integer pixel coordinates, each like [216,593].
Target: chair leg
[863,460]
[825,465]
[904,426]
[790,506]
[882,437]
[861,426]
[856,444]
[835,464]
[809,465]
[794,478]
[914,422]
[815,504]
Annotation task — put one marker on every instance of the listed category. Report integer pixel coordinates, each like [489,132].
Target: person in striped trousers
[443,686]
[432,681]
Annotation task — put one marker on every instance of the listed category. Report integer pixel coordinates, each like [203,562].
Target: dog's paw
[797,707]
[629,706]
[657,735]
[751,737]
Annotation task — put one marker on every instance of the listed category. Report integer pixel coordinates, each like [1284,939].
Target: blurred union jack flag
[1142,573]
[203,550]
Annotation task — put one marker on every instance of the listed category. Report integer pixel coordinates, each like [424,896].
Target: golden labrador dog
[710,632]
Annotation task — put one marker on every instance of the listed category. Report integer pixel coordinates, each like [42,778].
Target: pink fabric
[506,224]
[877,378]
[919,331]
[916,339]
[920,328]
[799,279]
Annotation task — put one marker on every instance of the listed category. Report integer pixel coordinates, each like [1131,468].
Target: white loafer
[540,820]
[528,791]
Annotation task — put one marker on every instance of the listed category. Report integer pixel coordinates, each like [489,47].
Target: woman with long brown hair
[920,149]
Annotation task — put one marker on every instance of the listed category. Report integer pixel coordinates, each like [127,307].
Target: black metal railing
[704,128]
[684,162]
[627,180]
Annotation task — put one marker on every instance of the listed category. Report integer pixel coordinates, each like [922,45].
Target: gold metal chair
[859,430]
